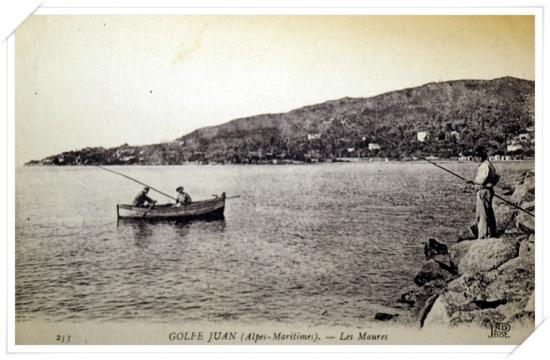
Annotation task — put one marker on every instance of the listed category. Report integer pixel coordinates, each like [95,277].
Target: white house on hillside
[313,136]
[374,146]
[422,136]
[514,147]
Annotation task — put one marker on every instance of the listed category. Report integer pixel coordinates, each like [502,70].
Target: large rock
[409,298]
[529,174]
[525,191]
[513,281]
[431,270]
[457,252]
[525,223]
[380,316]
[436,313]
[503,294]
[486,254]
[507,189]
[527,247]
[528,205]
[469,233]
[434,247]
[505,216]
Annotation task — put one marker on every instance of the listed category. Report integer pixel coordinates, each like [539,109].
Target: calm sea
[327,244]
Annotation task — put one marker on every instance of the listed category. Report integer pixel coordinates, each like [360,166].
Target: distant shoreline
[341,161]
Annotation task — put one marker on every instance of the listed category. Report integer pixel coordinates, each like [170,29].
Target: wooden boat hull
[208,210]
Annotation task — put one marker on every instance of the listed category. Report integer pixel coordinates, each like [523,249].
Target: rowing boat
[211,209]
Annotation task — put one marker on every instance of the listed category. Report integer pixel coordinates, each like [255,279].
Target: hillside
[456,116]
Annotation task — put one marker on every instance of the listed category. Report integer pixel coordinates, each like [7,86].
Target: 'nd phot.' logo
[499,330]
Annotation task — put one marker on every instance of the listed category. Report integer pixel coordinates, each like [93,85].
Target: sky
[139,79]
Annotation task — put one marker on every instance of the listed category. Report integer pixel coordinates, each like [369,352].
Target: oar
[149,209]
[139,182]
[458,176]
[228,197]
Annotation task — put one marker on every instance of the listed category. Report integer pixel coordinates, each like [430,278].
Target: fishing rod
[458,176]
[152,188]
[139,182]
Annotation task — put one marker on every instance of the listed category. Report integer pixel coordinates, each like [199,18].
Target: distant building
[514,147]
[128,159]
[125,151]
[422,136]
[374,146]
[452,135]
[313,136]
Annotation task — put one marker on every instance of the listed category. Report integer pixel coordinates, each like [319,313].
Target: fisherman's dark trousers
[485,216]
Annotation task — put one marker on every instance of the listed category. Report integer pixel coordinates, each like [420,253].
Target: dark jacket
[142,200]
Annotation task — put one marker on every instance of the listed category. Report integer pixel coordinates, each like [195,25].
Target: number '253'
[64,339]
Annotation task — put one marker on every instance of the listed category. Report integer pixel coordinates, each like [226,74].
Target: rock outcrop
[525,192]
[486,255]
[431,271]
[487,280]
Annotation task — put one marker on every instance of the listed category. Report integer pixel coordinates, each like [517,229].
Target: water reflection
[217,225]
[214,225]
[182,228]
[142,233]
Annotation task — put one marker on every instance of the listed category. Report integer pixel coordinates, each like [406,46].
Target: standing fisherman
[142,200]
[485,181]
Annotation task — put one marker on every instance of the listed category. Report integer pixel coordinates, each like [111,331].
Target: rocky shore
[481,282]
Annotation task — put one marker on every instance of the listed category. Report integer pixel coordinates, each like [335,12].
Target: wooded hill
[456,116]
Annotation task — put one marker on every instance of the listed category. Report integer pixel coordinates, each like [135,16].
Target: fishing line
[457,175]
[139,182]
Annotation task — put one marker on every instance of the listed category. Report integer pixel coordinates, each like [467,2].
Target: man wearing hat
[142,200]
[183,197]
[484,182]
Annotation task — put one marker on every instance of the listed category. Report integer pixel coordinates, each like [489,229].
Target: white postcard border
[247,7]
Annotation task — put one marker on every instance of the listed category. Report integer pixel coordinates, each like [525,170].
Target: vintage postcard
[275,179]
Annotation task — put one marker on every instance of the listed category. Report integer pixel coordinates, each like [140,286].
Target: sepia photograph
[274,179]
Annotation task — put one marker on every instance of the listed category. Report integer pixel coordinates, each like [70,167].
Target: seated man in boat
[183,197]
[142,200]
